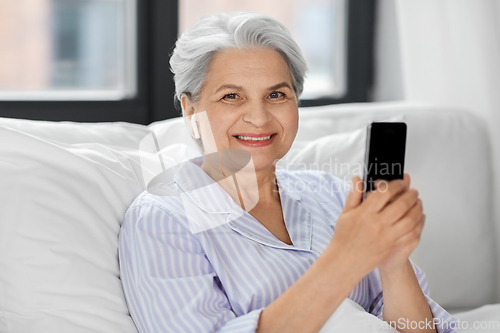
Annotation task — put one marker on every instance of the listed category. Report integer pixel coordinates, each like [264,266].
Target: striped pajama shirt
[180,277]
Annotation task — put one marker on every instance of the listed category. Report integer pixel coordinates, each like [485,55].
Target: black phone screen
[385,153]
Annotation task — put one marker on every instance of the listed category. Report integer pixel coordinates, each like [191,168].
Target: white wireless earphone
[196,134]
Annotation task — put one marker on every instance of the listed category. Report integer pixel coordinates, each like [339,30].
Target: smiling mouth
[253,138]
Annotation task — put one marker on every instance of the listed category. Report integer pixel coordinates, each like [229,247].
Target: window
[318,26]
[107,60]
[78,60]
[68,50]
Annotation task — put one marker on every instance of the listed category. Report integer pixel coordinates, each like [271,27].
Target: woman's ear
[188,111]
[187,105]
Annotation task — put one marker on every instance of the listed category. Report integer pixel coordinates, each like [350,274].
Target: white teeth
[253,138]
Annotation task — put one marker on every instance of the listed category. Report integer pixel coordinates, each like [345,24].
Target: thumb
[355,194]
[407,179]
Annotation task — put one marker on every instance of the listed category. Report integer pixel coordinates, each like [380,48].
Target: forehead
[255,67]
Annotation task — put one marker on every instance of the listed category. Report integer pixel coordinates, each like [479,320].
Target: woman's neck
[246,185]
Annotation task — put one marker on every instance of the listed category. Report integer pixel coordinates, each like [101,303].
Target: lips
[254,139]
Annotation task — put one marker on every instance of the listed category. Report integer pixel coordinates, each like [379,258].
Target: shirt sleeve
[445,323]
[168,282]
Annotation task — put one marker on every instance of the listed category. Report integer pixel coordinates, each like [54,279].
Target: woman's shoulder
[163,198]
[153,218]
[163,195]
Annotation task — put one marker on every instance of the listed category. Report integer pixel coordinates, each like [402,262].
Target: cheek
[290,123]
[221,123]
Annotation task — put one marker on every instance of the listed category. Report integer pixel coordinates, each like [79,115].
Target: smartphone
[385,153]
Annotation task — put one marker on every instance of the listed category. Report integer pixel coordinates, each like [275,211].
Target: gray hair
[197,46]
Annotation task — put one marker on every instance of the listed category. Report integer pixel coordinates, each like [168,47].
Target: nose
[257,114]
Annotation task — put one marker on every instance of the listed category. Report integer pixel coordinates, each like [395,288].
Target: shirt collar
[209,196]
[201,188]
[298,221]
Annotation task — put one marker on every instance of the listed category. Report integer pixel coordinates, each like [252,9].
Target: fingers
[412,237]
[384,192]
[368,194]
[407,180]
[398,208]
[355,194]
[410,221]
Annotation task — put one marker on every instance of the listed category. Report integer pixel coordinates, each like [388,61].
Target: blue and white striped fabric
[221,278]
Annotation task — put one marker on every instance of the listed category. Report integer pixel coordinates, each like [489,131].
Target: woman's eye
[276,94]
[230,96]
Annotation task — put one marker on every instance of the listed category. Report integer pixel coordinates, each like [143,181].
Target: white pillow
[485,319]
[62,207]
[112,133]
[340,154]
[351,317]
[172,131]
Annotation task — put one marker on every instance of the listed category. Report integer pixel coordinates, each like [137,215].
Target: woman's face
[250,103]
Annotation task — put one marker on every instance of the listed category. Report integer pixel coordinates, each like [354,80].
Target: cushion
[351,317]
[485,319]
[109,133]
[62,207]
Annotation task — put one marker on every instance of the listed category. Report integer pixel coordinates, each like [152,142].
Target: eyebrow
[229,86]
[238,88]
[280,85]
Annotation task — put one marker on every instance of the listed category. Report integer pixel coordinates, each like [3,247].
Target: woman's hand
[383,229]
[407,243]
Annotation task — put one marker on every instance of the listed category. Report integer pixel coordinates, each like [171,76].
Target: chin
[264,162]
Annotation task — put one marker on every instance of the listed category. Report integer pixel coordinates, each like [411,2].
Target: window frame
[156,31]
[157,28]
[359,55]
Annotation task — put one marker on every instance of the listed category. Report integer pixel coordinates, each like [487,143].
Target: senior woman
[286,261]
